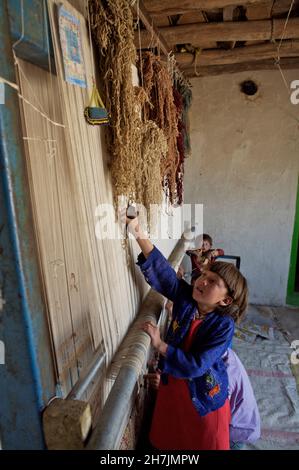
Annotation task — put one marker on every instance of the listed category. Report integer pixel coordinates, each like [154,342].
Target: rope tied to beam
[284,28]
[277,59]
[272,39]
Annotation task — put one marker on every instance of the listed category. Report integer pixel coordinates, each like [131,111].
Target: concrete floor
[288,319]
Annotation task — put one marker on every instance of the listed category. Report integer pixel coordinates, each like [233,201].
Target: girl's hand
[180,274]
[154,333]
[131,224]
[134,228]
[153,380]
[169,307]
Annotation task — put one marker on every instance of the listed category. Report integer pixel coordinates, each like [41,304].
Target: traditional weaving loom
[90,293]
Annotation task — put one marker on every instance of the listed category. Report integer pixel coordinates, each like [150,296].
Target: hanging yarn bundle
[186,93]
[182,99]
[136,147]
[152,142]
[162,110]
[112,27]
[178,101]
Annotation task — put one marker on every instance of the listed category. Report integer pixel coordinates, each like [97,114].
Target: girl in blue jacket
[192,410]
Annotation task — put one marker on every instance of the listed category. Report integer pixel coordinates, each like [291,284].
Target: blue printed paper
[71,46]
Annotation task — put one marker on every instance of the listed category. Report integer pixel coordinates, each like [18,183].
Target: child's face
[206,245]
[210,291]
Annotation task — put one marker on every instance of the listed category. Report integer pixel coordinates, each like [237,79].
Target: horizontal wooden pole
[239,55]
[197,33]
[178,7]
[140,10]
[285,64]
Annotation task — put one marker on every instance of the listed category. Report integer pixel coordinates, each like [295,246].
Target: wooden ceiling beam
[179,7]
[285,64]
[260,11]
[228,15]
[225,31]
[238,55]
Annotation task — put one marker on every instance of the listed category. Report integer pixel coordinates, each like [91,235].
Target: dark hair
[208,238]
[237,289]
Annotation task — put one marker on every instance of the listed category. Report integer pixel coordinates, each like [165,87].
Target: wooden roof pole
[179,7]
[228,15]
[260,30]
[141,12]
[146,19]
[239,55]
[204,71]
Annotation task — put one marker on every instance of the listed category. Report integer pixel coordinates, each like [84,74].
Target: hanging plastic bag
[95,113]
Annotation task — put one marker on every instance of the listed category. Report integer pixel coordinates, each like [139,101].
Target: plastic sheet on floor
[267,361]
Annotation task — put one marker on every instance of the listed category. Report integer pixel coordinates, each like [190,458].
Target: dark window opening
[248,87]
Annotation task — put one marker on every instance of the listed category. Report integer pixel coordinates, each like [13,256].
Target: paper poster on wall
[71,46]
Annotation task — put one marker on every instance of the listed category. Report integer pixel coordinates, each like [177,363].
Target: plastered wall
[244,169]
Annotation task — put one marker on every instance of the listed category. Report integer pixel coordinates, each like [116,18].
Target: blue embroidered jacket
[202,366]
